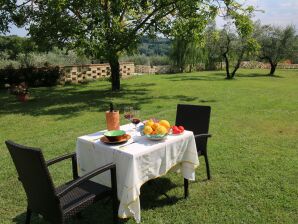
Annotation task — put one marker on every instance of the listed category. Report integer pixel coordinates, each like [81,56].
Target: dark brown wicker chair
[57,205]
[196,119]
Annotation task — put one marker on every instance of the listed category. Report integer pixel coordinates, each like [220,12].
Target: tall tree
[185,53]
[294,58]
[188,35]
[233,49]
[212,46]
[107,28]
[178,53]
[276,44]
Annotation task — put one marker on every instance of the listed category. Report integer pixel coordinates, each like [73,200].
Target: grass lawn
[253,151]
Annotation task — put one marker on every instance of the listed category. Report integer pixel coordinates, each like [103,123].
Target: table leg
[186,192]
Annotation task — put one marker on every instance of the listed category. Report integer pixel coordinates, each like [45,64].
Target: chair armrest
[73,157]
[203,136]
[86,177]
[60,158]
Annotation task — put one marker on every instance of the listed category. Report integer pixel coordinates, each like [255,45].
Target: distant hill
[158,46]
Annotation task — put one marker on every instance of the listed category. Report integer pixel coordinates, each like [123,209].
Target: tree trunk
[237,66]
[273,68]
[227,66]
[181,69]
[115,72]
[210,65]
[190,67]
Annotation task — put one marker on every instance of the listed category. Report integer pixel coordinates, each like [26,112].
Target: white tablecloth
[137,163]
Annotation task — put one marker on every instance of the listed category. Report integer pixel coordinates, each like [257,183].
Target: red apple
[176,130]
[181,128]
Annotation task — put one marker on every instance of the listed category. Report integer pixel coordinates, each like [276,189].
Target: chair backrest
[34,175]
[196,119]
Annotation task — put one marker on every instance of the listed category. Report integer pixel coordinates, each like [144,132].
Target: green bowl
[115,135]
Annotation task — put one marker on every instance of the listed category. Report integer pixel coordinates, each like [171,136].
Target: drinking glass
[135,118]
[128,113]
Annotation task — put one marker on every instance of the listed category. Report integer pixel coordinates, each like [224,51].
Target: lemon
[161,130]
[165,123]
[149,123]
[147,130]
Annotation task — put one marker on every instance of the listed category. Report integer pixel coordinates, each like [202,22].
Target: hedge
[34,77]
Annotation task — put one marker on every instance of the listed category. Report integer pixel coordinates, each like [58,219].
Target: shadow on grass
[256,75]
[187,77]
[216,76]
[152,193]
[101,212]
[69,101]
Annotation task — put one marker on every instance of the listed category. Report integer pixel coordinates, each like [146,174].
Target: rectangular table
[137,163]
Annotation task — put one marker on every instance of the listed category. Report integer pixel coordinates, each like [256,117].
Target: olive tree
[276,43]
[233,48]
[238,41]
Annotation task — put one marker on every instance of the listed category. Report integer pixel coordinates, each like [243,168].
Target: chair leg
[207,166]
[28,216]
[186,192]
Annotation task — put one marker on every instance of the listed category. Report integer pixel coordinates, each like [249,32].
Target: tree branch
[156,19]
[150,16]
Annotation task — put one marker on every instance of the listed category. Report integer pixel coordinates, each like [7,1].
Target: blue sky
[276,12]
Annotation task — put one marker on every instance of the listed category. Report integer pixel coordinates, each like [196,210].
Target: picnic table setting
[114,163]
[141,151]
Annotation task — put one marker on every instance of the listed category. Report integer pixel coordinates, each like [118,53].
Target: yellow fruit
[149,123]
[165,123]
[147,130]
[161,130]
[155,126]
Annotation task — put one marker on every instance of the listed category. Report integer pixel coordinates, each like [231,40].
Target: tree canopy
[234,46]
[11,46]
[108,28]
[5,15]
[12,11]
[211,48]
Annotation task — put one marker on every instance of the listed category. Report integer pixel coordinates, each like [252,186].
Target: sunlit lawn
[253,151]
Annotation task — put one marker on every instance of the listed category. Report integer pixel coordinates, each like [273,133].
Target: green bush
[40,59]
[137,59]
[159,60]
[34,77]
[141,59]
[9,63]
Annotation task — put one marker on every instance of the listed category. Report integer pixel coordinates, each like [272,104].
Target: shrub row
[34,77]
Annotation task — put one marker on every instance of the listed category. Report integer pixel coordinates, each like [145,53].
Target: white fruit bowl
[156,137]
